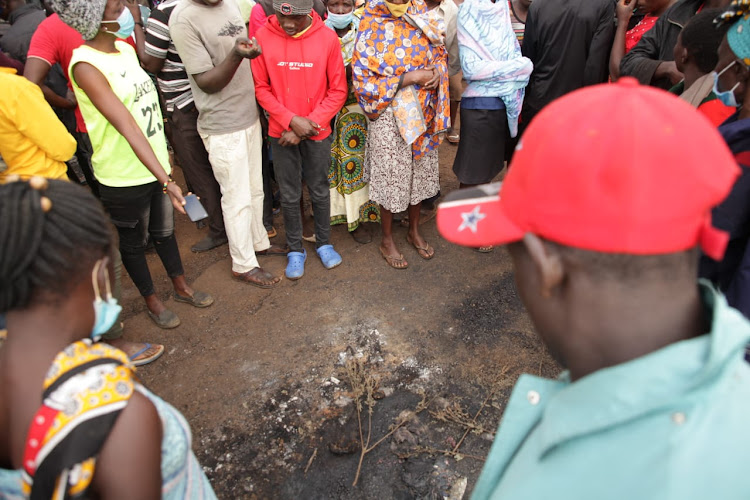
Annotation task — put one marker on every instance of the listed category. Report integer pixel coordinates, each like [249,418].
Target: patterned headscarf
[738,36]
[347,41]
[84,16]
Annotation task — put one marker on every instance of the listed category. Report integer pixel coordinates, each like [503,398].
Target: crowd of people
[618,197]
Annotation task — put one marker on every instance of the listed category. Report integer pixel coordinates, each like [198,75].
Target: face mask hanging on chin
[727,97]
[106,311]
[397,10]
[126,22]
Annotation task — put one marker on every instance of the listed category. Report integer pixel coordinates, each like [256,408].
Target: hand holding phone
[194,208]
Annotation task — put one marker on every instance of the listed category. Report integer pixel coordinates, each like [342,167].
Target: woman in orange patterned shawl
[400,77]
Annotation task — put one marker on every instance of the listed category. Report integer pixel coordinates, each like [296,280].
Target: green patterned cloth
[350,194]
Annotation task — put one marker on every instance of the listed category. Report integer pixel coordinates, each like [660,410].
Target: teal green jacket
[671,425]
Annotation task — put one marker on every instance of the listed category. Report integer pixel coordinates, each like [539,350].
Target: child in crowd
[300,81]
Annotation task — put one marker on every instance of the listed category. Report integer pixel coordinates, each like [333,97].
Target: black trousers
[84,151]
[192,156]
[138,212]
[309,160]
[267,187]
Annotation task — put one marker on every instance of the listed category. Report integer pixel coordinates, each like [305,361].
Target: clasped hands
[428,78]
[301,128]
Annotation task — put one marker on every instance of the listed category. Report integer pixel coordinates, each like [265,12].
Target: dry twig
[454,414]
[309,462]
[435,451]
[363,388]
[498,383]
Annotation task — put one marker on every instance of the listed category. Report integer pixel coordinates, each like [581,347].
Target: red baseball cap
[613,168]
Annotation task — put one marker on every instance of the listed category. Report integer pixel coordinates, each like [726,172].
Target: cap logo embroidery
[285,9]
[471,220]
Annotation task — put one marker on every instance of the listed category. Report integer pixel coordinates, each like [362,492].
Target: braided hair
[51,232]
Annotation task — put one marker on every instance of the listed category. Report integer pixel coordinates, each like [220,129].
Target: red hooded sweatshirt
[302,76]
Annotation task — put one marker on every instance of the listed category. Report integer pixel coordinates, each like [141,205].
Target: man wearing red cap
[604,222]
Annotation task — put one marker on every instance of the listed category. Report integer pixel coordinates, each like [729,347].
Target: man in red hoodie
[300,81]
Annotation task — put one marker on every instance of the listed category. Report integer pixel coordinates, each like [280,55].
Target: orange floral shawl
[386,48]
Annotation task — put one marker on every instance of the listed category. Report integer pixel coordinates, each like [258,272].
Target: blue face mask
[106,311]
[126,22]
[340,21]
[727,97]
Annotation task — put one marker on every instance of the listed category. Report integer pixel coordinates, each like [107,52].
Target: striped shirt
[173,79]
[519,27]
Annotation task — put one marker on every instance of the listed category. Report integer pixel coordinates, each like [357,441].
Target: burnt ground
[270,379]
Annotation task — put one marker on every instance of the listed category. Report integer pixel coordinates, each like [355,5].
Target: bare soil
[262,374]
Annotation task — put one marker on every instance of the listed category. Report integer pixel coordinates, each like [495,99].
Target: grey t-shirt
[204,36]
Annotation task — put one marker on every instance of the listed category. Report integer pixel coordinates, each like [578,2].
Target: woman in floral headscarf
[401,81]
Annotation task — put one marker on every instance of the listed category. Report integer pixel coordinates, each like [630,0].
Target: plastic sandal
[329,256]
[150,359]
[295,267]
